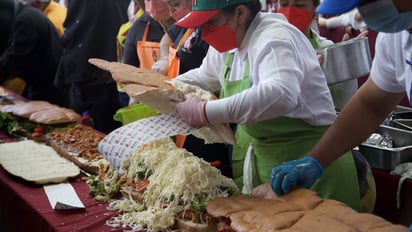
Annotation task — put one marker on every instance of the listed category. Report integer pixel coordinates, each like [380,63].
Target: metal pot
[346,60]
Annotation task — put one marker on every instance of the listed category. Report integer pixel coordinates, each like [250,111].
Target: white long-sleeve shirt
[346,19]
[286,78]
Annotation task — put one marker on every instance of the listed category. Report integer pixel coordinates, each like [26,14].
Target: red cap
[196,18]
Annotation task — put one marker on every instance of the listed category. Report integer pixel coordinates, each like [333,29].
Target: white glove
[162,65]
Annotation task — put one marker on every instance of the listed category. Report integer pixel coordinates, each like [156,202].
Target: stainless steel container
[389,158]
[346,60]
[405,124]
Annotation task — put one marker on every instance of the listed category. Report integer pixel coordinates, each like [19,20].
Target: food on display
[156,90]
[105,185]
[42,112]
[164,186]
[297,211]
[34,119]
[79,144]
[36,162]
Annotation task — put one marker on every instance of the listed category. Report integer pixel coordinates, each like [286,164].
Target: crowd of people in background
[47,44]
[125,29]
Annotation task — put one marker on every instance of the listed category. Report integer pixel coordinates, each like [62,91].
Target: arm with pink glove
[192,110]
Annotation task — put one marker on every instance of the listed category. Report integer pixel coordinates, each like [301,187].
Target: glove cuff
[203,117]
[316,163]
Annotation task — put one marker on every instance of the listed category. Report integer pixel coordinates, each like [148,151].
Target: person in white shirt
[389,81]
[271,85]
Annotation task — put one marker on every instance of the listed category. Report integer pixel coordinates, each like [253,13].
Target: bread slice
[129,74]
[154,97]
[42,112]
[156,90]
[36,162]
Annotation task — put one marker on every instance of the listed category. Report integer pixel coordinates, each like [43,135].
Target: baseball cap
[335,7]
[203,10]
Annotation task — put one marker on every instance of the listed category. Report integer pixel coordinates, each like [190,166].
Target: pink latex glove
[192,110]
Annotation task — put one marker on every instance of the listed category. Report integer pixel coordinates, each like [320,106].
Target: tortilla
[36,162]
[156,90]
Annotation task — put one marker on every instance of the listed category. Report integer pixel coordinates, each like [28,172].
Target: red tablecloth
[386,188]
[25,207]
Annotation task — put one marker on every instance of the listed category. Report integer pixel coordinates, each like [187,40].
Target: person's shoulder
[144,19]
[272,26]
[174,29]
[139,23]
[323,41]
[271,17]
[30,15]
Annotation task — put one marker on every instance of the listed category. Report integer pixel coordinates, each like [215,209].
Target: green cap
[203,10]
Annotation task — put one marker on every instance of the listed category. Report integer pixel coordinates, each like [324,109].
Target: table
[25,207]
[386,188]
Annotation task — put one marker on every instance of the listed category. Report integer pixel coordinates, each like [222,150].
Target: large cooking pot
[346,60]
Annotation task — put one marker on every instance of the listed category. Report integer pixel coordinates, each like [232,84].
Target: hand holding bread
[156,90]
[192,110]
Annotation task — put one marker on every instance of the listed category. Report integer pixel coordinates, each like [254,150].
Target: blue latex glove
[297,173]
[192,110]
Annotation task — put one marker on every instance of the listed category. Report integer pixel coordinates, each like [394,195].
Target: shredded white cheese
[175,176]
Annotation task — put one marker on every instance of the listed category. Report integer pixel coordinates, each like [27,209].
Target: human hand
[296,173]
[161,65]
[192,110]
[348,35]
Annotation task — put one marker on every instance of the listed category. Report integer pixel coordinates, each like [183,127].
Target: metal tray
[404,124]
[389,158]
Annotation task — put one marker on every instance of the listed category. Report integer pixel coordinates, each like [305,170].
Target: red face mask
[157,9]
[222,38]
[180,13]
[298,17]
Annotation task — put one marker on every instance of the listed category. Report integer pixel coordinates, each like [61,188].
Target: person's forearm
[165,43]
[360,118]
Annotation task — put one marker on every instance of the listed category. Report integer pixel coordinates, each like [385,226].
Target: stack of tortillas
[156,90]
[36,162]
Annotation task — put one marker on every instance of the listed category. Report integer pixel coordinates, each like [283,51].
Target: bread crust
[297,211]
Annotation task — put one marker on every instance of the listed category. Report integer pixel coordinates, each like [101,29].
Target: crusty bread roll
[156,90]
[300,210]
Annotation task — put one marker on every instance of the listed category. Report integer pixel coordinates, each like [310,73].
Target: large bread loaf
[300,210]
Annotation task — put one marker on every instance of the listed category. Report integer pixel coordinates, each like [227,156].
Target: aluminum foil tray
[388,158]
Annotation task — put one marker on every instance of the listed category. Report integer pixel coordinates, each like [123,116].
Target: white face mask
[383,16]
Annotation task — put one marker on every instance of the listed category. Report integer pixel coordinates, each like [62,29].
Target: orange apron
[174,66]
[174,61]
[147,51]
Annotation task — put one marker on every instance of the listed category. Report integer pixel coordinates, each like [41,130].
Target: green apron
[283,139]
